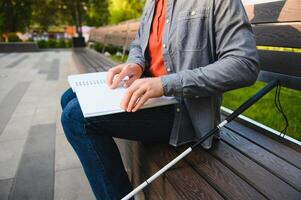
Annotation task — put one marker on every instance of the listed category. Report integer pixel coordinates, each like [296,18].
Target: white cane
[232,116]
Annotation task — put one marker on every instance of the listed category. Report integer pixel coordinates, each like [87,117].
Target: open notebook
[96,98]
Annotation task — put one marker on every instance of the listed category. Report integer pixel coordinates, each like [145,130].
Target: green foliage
[53,43]
[42,44]
[15,15]
[97,13]
[45,14]
[109,48]
[98,47]
[81,12]
[60,44]
[68,43]
[12,37]
[112,49]
[121,10]
[265,112]
[120,59]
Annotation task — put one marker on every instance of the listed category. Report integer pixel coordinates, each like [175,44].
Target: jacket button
[164,45]
[167,21]
[192,13]
[168,69]
[197,97]
[178,109]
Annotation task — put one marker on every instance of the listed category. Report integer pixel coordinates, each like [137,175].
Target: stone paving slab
[72,184]
[26,135]
[17,128]
[46,114]
[10,154]
[10,102]
[35,177]
[5,187]
[65,157]
[17,62]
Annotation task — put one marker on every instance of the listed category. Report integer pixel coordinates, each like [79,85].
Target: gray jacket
[208,48]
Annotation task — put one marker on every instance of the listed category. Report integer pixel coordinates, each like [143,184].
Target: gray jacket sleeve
[237,59]
[136,55]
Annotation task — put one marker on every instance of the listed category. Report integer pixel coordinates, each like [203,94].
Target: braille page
[96,98]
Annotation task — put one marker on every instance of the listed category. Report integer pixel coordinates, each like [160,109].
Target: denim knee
[72,119]
[67,96]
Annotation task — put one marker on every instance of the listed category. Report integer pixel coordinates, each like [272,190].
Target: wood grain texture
[143,167]
[261,179]
[188,184]
[280,168]
[279,149]
[275,11]
[279,35]
[281,62]
[222,178]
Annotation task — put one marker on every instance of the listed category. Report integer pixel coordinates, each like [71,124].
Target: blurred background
[52,23]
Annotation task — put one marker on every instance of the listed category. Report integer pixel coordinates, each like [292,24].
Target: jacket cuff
[171,84]
[137,61]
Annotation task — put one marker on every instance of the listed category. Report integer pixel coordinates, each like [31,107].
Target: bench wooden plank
[93,60]
[278,149]
[274,11]
[280,168]
[278,34]
[222,178]
[162,185]
[281,62]
[100,63]
[135,157]
[261,179]
[101,58]
[182,177]
[90,60]
[83,65]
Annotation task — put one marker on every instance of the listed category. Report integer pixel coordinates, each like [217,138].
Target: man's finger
[111,74]
[141,102]
[135,98]
[126,98]
[129,82]
[119,78]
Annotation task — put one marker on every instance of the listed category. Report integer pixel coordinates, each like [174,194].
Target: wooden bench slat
[83,65]
[141,168]
[223,179]
[182,177]
[278,149]
[261,179]
[281,62]
[274,11]
[288,173]
[279,34]
[98,66]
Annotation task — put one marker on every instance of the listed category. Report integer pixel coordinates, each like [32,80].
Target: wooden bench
[250,161]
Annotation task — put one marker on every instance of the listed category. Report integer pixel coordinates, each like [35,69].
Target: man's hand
[139,92]
[118,73]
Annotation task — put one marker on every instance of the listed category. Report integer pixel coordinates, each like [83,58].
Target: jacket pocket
[192,28]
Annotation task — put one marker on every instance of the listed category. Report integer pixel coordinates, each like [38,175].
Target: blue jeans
[91,138]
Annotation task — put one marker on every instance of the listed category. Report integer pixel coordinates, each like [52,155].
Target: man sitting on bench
[194,50]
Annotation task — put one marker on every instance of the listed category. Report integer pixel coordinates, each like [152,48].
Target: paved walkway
[36,162]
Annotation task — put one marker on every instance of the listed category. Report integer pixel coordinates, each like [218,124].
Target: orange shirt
[157,67]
